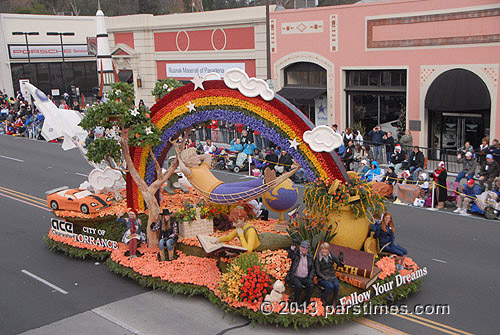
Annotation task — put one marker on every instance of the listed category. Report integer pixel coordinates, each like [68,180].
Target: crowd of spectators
[18,117]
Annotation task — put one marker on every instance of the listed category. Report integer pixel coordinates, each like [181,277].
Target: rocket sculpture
[104,61]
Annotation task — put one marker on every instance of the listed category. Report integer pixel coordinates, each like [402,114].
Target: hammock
[245,196]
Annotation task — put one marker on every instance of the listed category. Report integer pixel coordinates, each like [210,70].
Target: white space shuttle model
[58,122]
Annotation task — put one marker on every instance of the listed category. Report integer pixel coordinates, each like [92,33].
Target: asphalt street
[459,253]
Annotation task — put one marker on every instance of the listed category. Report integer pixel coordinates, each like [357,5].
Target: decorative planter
[351,232]
[190,229]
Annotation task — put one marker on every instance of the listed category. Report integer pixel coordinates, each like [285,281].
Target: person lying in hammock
[196,168]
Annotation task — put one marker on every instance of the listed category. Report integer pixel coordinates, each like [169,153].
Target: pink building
[364,63]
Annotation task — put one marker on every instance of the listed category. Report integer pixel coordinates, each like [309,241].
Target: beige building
[146,48]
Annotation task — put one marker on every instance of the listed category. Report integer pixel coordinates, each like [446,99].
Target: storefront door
[450,131]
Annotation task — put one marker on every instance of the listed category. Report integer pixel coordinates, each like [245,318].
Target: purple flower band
[234,117]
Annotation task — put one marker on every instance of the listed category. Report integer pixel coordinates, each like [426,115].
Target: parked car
[77,200]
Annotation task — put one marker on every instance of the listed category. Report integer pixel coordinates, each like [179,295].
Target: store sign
[188,70]
[47,51]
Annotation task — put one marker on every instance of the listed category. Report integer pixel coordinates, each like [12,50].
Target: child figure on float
[196,168]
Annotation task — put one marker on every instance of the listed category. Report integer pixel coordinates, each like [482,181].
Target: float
[337,207]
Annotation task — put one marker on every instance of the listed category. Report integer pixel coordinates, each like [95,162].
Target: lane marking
[25,202]
[439,324]
[426,324]
[34,276]
[82,174]
[117,322]
[380,327]
[439,260]
[23,195]
[11,158]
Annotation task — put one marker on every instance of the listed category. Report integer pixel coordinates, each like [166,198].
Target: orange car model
[77,200]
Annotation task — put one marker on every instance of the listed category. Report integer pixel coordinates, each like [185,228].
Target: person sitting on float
[133,235]
[196,168]
[244,230]
[326,273]
[373,172]
[169,234]
[384,231]
[301,272]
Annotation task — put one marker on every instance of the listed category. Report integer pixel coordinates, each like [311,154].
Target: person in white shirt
[209,148]
[359,138]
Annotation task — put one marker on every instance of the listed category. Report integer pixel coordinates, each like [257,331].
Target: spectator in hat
[301,272]
[363,169]
[397,158]
[439,177]
[169,234]
[468,169]
[469,193]
[489,171]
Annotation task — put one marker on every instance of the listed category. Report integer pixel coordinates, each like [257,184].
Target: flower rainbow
[277,120]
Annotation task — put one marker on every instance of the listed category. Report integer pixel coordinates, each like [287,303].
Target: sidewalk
[160,313]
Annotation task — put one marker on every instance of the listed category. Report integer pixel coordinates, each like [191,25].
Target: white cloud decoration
[322,138]
[211,76]
[104,180]
[249,87]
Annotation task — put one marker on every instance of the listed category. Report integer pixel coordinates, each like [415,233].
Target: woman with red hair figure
[244,230]
[132,236]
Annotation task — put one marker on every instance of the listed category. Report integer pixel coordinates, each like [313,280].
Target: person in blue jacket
[469,193]
[384,232]
[236,146]
[249,148]
[373,172]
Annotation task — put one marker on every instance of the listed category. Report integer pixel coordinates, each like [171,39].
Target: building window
[375,98]
[48,76]
[305,74]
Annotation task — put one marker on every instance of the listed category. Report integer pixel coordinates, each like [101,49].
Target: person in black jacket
[271,159]
[348,156]
[284,163]
[389,146]
[169,234]
[377,135]
[439,176]
[489,171]
[416,162]
[397,158]
[326,273]
[301,272]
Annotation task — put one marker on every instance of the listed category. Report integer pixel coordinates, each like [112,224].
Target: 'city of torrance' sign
[19,51]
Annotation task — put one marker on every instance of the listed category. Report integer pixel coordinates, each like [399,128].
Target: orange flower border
[192,275]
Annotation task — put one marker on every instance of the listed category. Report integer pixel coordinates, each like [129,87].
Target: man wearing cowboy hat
[169,234]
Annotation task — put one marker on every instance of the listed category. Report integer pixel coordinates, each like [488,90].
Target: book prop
[358,269]
[211,247]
